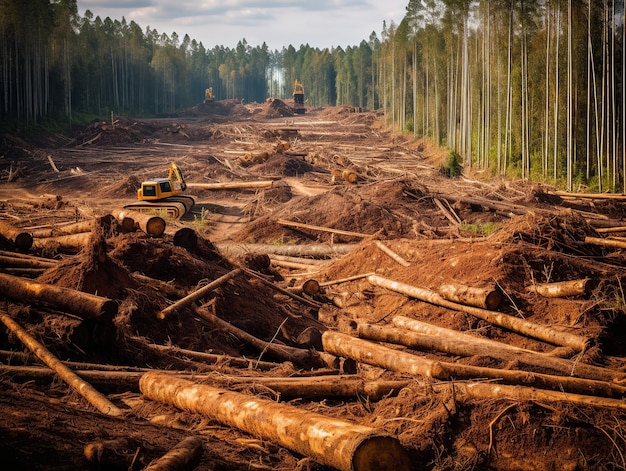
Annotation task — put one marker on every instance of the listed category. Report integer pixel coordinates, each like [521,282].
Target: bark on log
[84,389]
[482,391]
[198,294]
[20,262]
[184,456]
[305,358]
[21,239]
[461,371]
[618,244]
[487,298]
[305,250]
[345,280]
[72,243]
[392,254]
[269,284]
[232,185]
[302,260]
[66,229]
[300,225]
[309,287]
[159,285]
[296,265]
[24,272]
[152,225]
[563,289]
[84,305]
[332,442]
[506,321]
[457,340]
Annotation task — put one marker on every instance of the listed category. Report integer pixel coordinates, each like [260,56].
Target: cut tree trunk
[295,296]
[332,442]
[506,321]
[563,289]
[302,250]
[198,294]
[72,243]
[84,389]
[232,185]
[300,225]
[21,239]
[618,244]
[486,298]
[84,305]
[185,456]
[21,262]
[456,342]
[304,358]
[66,229]
[392,254]
[461,371]
[131,220]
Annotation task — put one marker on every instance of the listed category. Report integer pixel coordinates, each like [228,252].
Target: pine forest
[532,89]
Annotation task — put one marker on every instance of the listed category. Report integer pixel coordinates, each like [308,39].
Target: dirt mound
[275,108]
[121,131]
[279,164]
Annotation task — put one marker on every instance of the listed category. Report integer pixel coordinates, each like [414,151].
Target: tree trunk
[284,222]
[152,225]
[72,243]
[330,442]
[562,289]
[21,239]
[84,389]
[529,357]
[84,305]
[392,254]
[184,456]
[394,360]
[487,298]
[537,331]
[198,294]
[303,250]
[232,185]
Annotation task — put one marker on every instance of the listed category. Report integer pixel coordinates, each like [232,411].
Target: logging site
[328,295]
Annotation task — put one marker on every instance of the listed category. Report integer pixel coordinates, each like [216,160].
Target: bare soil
[512,234]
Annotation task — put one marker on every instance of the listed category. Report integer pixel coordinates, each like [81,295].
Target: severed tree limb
[21,262]
[618,244]
[300,225]
[232,185]
[21,239]
[286,292]
[487,298]
[345,280]
[562,289]
[384,357]
[506,321]
[72,243]
[150,224]
[66,229]
[198,294]
[301,250]
[392,254]
[184,456]
[457,344]
[304,358]
[333,442]
[82,304]
[95,398]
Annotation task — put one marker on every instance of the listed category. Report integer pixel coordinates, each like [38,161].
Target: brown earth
[512,234]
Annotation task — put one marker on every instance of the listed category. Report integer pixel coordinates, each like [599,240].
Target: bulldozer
[298,97]
[208,95]
[164,194]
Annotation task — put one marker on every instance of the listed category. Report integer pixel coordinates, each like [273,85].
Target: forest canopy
[528,88]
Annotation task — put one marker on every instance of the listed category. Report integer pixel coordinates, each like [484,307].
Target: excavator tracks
[174,207]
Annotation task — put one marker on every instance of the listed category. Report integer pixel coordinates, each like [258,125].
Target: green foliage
[480,229]
[452,168]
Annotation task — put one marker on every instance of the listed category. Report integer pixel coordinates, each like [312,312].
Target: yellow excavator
[164,194]
[298,97]
[208,95]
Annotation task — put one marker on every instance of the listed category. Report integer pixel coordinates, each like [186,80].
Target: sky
[318,23]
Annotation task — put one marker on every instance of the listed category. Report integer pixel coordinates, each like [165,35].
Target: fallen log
[24,272]
[457,341]
[506,321]
[22,240]
[21,262]
[487,298]
[345,280]
[303,250]
[302,260]
[300,225]
[618,244]
[66,229]
[296,265]
[162,286]
[394,360]
[295,296]
[232,185]
[197,295]
[332,442]
[84,389]
[72,243]
[392,254]
[131,220]
[309,287]
[184,456]
[304,358]
[482,391]
[562,289]
[82,304]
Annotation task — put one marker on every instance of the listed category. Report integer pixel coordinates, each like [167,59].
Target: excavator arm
[175,175]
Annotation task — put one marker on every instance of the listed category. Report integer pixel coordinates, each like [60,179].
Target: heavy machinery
[164,194]
[298,97]
[208,95]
